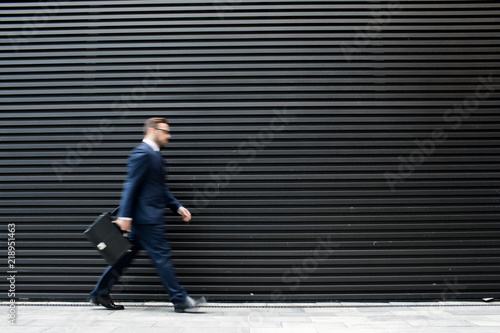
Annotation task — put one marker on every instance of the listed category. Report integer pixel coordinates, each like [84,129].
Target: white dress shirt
[152,144]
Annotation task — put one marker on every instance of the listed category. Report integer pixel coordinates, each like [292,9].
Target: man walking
[144,199]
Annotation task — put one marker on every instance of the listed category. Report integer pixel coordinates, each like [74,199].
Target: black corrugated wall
[328,150]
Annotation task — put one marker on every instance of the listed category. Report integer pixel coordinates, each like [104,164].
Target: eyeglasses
[164,130]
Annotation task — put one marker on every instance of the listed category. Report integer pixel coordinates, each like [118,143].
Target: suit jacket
[145,193]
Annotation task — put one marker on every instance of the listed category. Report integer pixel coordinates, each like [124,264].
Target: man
[144,198]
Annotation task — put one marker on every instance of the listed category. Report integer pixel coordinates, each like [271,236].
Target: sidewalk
[353,317]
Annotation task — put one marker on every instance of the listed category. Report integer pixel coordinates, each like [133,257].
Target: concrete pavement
[153,317]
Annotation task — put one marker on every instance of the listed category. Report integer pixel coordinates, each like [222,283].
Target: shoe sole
[96,303]
[196,308]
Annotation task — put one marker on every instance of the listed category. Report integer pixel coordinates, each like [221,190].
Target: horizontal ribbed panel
[328,150]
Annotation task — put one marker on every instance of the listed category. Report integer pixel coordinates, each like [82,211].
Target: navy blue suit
[145,194]
[144,198]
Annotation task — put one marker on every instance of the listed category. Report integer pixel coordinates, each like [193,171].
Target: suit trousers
[152,238]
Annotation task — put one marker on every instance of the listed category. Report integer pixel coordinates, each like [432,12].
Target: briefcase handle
[113,213]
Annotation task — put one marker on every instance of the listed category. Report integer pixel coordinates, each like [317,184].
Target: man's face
[162,134]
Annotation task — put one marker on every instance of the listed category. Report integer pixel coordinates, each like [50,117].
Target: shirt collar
[152,144]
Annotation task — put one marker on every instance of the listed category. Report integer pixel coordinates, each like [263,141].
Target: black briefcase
[107,238]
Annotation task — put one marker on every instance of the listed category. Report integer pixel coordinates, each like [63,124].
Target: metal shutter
[329,150]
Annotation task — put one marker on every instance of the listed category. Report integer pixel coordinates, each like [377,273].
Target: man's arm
[138,165]
[176,207]
[171,201]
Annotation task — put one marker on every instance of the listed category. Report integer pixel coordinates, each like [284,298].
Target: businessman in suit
[145,196]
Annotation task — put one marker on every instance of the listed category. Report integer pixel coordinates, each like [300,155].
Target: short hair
[152,122]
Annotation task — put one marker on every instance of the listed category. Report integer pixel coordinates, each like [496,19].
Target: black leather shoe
[107,302]
[190,304]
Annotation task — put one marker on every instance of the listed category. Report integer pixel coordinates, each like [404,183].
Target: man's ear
[150,131]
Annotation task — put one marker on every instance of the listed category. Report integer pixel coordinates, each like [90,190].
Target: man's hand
[125,225]
[186,215]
